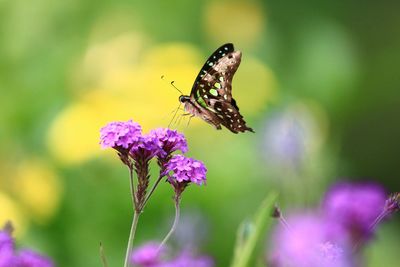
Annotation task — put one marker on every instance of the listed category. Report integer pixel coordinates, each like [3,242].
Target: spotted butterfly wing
[211,95]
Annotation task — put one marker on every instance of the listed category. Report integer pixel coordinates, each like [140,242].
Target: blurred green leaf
[250,231]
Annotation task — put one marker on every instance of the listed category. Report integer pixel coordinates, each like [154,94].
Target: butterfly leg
[190,118]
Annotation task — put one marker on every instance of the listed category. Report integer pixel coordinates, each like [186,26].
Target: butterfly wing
[230,117]
[212,89]
[211,61]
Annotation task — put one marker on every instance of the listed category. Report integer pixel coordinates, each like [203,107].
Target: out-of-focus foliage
[318,82]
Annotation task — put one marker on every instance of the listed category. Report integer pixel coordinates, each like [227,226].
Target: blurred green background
[319,82]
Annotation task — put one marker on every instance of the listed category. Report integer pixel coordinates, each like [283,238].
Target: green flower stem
[131,238]
[135,219]
[132,186]
[103,256]
[151,192]
[176,220]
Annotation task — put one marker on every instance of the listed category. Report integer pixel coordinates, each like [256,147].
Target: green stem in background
[103,256]
[250,233]
[151,192]
[131,238]
[176,220]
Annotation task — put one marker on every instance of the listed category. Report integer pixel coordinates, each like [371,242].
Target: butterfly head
[184,98]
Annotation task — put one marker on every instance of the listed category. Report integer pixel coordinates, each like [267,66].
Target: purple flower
[186,259]
[120,134]
[28,258]
[169,141]
[145,148]
[355,207]
[147,255]
[7,257]
[309,242]
[6,241]
[185,170]
[25,258]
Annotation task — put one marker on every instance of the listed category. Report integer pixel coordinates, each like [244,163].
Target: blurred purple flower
[186,259]
[355,206]
[310,242]
[185,170]
[290,137]
[169,141]
[120,134]
[25,258]
[147,255]
[7,257]
[193,230]
[28,258]
[6,241]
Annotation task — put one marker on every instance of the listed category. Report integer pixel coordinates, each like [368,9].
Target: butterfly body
[211,96]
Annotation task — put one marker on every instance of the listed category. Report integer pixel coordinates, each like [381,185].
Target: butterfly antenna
[172,84]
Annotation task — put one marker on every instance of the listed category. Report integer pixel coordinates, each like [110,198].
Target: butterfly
[211,96]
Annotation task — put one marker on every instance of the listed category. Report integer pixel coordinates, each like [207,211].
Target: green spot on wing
[200,100]
[214,92]
[217,85]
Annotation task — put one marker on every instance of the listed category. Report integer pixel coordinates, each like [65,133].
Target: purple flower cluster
[330,236]
[9,257]
[147,255]
[169,141]
[309,242]
[150,255]
[128,136]
[355,207]
[186,259]
[136,149]
[185,170]
[120,134]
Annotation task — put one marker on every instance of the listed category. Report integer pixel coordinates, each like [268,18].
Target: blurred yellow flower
[236,21]
[10,211]
[38,189]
